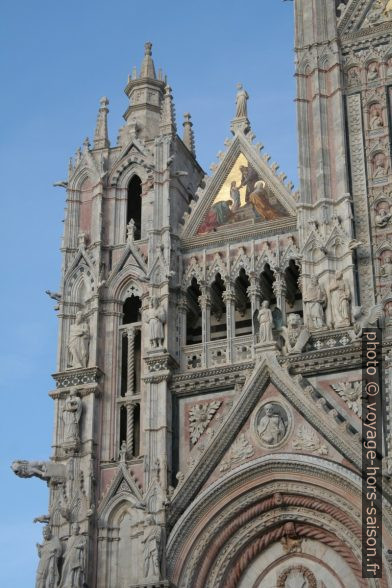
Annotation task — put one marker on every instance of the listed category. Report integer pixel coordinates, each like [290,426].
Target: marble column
[205,305]
[254,293]
[229,298]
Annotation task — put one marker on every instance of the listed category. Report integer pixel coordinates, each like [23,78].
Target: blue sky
[57,59]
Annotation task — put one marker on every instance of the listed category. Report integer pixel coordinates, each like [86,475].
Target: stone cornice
[259,231]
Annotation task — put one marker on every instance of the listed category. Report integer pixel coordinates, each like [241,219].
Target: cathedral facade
[208,392]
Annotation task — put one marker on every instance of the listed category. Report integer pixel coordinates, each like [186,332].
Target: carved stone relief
[271,424]
[200,416]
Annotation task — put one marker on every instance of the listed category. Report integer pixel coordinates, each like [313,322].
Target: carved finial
[134,73]
[86,144]
[148,69]
[78,156]
[70,167]
[189,136]
[101,139]
[168,114]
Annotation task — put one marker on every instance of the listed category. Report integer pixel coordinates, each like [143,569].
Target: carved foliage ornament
[240,451]
[351,392]
[200,415]
[308,440]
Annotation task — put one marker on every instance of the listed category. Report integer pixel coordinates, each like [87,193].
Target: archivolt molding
[282,473]
[234,521]
[271,527]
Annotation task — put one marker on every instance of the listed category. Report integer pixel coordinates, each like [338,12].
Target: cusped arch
[193,270]
[80,284]
[126,169]
[126,283]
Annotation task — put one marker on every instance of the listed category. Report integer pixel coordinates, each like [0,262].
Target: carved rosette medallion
[297,576]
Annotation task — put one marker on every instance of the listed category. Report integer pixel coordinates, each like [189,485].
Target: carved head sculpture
[314,280]
[265,304]
[79,317]
[150,520]
[294,320]
[75,529]
[269,410]
[47,533]
[20,468]
[278,499]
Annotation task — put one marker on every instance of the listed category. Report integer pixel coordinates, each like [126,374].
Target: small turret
[101,139]
[145,93]
[189,136]
[168,116]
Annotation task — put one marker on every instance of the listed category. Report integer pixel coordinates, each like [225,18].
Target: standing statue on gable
[241,102]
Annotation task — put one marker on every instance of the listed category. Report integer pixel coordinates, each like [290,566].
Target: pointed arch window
[134,204]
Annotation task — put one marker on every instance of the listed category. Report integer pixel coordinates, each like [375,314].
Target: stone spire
[189,136]
[168,114]
[148,69]
[240,121]
[145,93]
[101,140]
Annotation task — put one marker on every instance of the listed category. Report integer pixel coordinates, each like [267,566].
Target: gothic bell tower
[118,340]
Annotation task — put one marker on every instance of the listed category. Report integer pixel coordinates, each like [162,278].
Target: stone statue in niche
[295,335]
[266,323]
[375,118]
[372,72]
[241,102]
[72,412]
[131,228]
[339,302]
[386,268]
[78,343]
[315,300]
[272,424]
[49,553]
[379,166]
[156,318]
[353,76]
[383,215]
[73,572]
[152,542]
